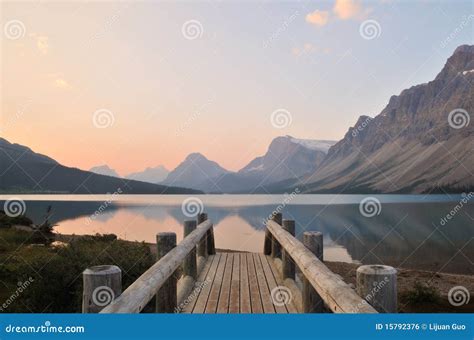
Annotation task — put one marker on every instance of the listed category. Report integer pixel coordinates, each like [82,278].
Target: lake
[411,231]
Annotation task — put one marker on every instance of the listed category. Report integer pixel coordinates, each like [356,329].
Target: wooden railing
[321,287]
[160,279]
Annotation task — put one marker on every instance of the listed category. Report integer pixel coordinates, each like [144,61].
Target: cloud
[347,9]
[61,83]
[319,18]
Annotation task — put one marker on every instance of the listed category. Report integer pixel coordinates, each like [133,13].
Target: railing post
[276,248]
[211,248]
[312,302]
[377,284]
[102,285]
[203,244]
[288,266]
[190,264]
[166,297]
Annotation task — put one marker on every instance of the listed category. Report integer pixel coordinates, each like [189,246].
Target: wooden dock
[289,276]
[238,283]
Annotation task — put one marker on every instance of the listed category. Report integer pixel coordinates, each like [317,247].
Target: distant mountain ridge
[415,145]
[104,170]
[286,158]
[24,171]
[151,175]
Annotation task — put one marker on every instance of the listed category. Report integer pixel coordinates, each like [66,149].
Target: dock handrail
[337,295]
[140,293]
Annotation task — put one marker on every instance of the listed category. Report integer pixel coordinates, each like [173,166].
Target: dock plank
[234,301]
[224,296]
[268,306]
[245,305]
[255,299]
[201,283]
[213,299]
[201,302]
[273,283]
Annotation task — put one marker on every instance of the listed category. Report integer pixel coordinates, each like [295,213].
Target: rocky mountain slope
[422,141]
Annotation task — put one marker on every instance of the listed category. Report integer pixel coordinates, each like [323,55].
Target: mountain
[286,158]
[194,171]
[24,171]
[150,175]
[104,170]
[421,142]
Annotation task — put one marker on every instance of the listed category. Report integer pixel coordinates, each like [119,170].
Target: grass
[55,273]
[421,293]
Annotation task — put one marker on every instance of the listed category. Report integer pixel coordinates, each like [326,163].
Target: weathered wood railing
[160,279]
[321,287]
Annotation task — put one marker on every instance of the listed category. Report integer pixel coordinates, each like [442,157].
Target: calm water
[407,232]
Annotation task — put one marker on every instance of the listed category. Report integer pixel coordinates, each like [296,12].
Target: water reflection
[404,234]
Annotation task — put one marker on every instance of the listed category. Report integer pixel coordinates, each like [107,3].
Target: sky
[144,83]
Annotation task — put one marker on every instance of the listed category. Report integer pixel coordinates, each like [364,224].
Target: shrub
[422,293]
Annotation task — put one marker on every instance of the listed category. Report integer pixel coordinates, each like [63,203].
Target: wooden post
[102,285]
[312,302]
[288,266]
[203,244]
[377,284]
[190,264]
[211,248]
[276,248]
[166,297]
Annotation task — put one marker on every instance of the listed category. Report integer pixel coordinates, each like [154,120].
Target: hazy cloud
[346,9]
[61,83]
[319,18]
